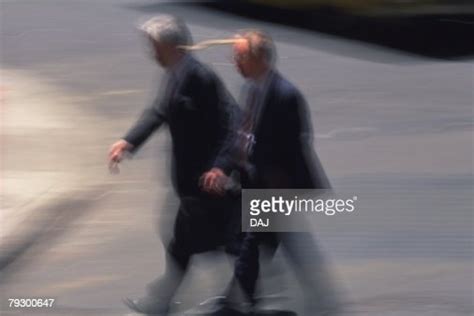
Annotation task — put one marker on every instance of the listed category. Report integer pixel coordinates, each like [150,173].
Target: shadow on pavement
[38,232]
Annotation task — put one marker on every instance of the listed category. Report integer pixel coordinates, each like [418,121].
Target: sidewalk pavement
[53,156]
[73,232]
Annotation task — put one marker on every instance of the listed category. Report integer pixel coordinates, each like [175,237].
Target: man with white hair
[198,110]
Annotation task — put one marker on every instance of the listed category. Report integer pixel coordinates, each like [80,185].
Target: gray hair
[167,29]
[261,44]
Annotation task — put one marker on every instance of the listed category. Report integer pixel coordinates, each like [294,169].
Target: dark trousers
[302,255]
[202,224]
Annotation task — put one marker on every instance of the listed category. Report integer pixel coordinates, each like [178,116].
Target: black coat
[199,115]
[283,155]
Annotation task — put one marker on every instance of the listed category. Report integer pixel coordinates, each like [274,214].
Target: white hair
[167,29]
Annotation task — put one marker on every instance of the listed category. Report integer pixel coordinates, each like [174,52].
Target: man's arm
[299,132]
[224,114]
[150,120]
[215,180]
[227,153]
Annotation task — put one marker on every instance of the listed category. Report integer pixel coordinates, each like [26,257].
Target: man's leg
[308,263]
[178,253]
[246,270]
[239,295]
[176,264]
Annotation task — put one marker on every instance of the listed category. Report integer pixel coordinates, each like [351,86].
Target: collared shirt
[256,93]
[259,89]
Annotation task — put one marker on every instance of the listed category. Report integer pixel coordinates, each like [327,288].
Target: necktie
[247,139]
[250,111]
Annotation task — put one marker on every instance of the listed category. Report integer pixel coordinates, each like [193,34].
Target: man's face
[243,60]
[161,52]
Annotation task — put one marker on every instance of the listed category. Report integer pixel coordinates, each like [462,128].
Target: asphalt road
[387,118]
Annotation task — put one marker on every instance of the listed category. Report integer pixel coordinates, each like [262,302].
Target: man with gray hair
[198,110]
[273,150]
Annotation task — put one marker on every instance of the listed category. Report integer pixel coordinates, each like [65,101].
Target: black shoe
[228,311]
[273,312]
[147,306]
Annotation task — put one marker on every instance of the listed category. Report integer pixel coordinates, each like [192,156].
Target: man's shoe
[207,307]
[228,311]
[147,306]
[215,309]
[273,312]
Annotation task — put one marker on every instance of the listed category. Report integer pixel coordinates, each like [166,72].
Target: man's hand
[213,181]
[116,153]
